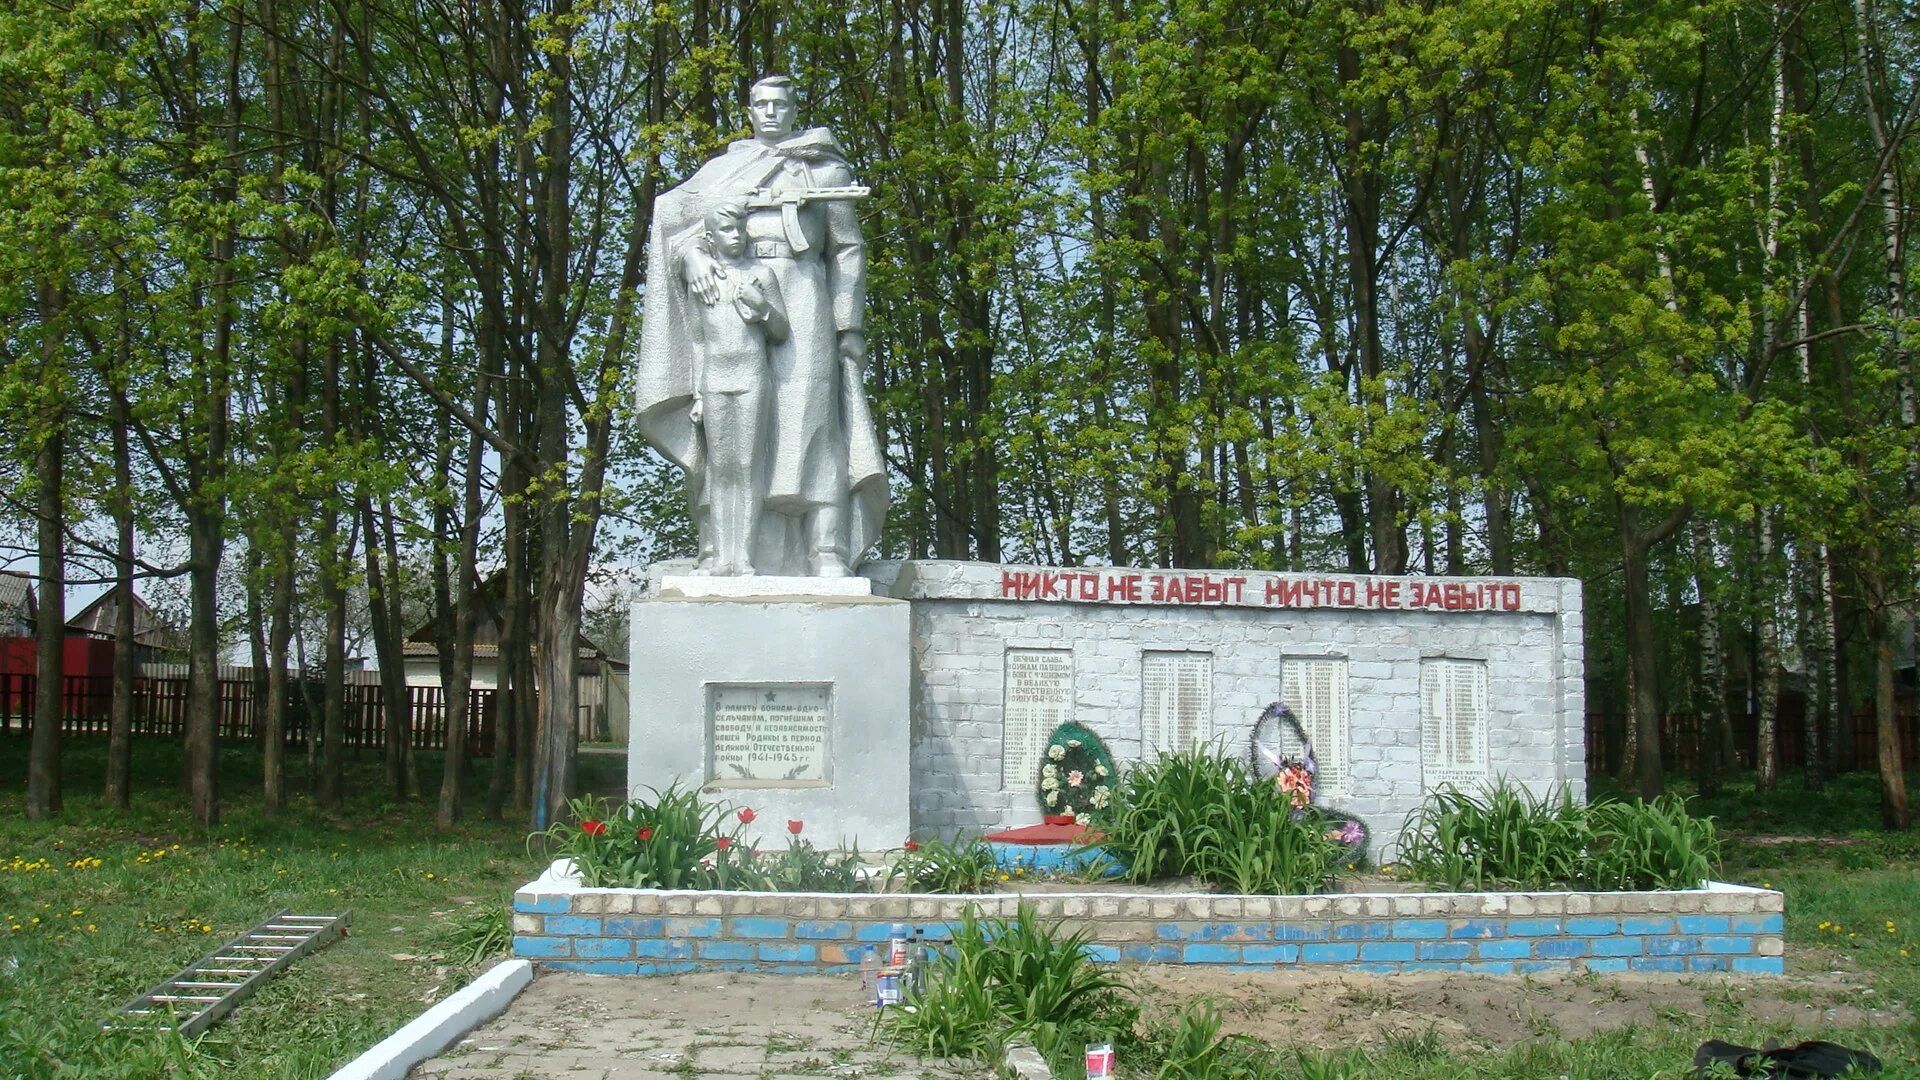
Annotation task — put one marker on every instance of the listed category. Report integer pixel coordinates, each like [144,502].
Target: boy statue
[734,333]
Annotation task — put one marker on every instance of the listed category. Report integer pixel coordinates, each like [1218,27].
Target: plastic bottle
[869,969]
[897,946]
[918,965]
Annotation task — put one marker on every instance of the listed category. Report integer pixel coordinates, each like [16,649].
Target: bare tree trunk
[1715,728]
[1766,633]
[1642,771]
[50,621]
[1894,812]
[119,787]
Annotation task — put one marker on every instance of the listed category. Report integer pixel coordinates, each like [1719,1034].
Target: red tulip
[593,828]
[645,833]
[794,825]
[723,843]
[747,815]
[913,845]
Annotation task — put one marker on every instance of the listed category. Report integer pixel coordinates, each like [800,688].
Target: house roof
[17,607]
[149,629]
[424,640]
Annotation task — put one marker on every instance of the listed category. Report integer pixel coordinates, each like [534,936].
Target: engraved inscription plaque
[768,735]
[1038,698]
[1176,701]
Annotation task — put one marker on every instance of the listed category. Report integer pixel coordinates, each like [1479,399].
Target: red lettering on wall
[1345,595]
[1510,597]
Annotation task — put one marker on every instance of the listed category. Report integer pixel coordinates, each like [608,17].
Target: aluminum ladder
[211,987]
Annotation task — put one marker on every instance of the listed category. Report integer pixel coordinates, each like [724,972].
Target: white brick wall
[962,626]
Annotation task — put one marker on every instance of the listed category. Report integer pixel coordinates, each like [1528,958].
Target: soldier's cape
[664,380]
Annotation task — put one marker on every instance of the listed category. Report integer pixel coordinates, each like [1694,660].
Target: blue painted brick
[1270,954]
[543,905]
[1103,954]
[1560,948]
[573,925]
[1646,926]
[1771,923]
[1533,927]
[878,931]
[701,928]
[1446,950]
[663,950]
[1607,966]
[1726,945]
[1210,954]
[1297,932]
[1592,927]
[1343,953]
[1168,931]
[1656,963]
[1372,930]
[1396,951]
[630,926]
[1429,965]
[793,969]
[762,928]
[1489,967]
[526,945]
[1705,924]
[664,969]
[1505,950]
[597,967]
[603,948]
[725,950]
[1420,928]
[729,965]
[791,954]
[1382,969]
[1672,946]
[822,931]
[1142,953]
[1535,967]
[1760,965]
[937,932]
[1479,928]
[1617,946]
[1710,963]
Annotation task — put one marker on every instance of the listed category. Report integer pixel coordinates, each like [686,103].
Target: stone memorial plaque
[1038,698]
[768,735]
[1176,701]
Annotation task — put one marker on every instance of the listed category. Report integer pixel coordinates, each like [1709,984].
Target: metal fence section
[160,709]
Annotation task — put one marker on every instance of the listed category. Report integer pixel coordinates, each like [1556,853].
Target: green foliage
[1002,980]
[680,841]
[1199,812]
[475,936]
[1508,837]
[942,866]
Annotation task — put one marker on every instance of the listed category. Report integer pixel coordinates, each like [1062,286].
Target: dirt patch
[1335,1010]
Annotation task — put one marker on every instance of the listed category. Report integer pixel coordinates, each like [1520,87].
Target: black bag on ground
[1807,1059]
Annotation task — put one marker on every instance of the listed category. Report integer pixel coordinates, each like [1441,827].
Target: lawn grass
[108,903]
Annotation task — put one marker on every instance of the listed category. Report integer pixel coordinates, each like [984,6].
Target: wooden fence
[160,708]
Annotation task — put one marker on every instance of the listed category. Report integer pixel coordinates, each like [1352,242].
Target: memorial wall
[1403,684]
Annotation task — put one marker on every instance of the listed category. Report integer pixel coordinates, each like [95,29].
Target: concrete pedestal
[690,650]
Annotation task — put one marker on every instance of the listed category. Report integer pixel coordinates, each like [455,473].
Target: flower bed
[559,923]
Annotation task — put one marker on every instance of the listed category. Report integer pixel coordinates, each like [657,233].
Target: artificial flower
[1074,778]
[1056,751]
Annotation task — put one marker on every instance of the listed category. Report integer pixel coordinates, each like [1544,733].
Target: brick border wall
[560,926]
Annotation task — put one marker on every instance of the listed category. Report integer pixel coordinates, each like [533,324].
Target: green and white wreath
[1076,773]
